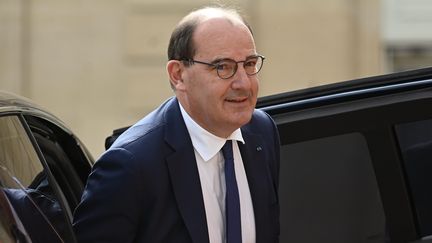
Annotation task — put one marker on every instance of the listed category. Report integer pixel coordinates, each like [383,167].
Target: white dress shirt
[210,162]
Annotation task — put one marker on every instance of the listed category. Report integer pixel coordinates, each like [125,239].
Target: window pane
[17,153]
[328,192]
[415,140]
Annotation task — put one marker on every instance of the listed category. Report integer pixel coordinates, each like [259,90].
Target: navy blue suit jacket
[146,187]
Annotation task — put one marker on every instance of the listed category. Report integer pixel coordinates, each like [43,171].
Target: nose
[240,79]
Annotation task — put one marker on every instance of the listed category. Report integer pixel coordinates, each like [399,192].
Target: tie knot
[227,150]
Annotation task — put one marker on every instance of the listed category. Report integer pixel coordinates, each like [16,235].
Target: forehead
[220,37]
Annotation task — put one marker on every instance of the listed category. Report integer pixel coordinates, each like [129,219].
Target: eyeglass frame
[215,64]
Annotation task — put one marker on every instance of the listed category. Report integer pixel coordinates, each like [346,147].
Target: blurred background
[100,64]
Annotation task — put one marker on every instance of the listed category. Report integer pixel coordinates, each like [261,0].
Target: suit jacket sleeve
[110,204]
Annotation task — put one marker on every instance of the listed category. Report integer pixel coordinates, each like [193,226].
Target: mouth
[236,99]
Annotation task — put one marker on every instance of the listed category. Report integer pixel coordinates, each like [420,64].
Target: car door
[44,169]
[356,160]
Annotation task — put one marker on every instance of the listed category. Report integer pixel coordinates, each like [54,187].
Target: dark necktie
[232,200]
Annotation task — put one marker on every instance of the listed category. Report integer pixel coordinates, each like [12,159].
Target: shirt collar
[204,142]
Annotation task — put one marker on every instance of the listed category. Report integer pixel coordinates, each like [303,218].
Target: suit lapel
[259,180]
[184,175]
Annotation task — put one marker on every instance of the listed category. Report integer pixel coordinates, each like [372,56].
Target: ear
[175,69]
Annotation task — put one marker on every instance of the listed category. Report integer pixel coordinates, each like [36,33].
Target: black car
[43,170]
[355,161]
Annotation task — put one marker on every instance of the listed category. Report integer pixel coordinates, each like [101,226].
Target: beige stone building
[100,64]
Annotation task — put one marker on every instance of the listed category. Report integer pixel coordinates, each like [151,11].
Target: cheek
[255,85]
[204,96]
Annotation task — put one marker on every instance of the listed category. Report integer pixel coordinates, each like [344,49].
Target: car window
[16,151]
[27,184]
[336,194]
[415,140]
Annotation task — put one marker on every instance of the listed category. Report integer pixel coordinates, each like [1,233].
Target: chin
[243,119]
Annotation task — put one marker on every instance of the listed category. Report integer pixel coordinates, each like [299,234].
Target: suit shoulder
[261,118]
[149,128]
[260,114]
[260,123]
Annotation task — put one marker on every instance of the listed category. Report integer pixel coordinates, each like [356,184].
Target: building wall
[100,65]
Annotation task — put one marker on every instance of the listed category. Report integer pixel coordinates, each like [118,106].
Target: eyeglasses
[226,68]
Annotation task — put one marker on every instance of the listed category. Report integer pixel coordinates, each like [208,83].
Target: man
[164,179]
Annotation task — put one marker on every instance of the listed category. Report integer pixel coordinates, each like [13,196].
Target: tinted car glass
[415,139]
[16,151]
[336,195]
[27,184]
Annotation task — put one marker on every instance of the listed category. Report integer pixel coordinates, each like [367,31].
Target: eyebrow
[219,60]
[226,58]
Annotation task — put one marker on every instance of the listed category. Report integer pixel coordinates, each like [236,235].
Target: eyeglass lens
[227,68]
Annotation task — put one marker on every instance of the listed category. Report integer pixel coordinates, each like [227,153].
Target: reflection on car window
[415,140]
[25,182]
[16,151]
[11,227]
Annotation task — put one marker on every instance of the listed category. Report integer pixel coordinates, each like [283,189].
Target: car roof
[13,103]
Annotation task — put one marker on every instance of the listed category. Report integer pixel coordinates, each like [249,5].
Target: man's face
[220,105]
